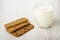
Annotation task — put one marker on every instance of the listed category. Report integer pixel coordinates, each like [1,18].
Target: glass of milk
[44,15]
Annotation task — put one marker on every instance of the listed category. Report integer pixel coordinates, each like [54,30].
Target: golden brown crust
[14,28]
[16,22]
[19,27]
[23,30]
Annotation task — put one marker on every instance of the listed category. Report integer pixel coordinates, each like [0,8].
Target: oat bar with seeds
[16,22]
[23,30]
[14,28]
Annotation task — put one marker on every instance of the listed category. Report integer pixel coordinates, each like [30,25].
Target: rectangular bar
[14,28]
[23,30]
[16,22]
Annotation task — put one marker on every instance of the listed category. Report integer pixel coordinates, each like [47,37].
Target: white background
[14,9]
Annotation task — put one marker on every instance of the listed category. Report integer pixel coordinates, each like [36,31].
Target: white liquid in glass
[44,15]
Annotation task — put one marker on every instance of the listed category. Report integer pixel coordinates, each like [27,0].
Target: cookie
[19,27]
[16,22]
[23,30]
[14,28]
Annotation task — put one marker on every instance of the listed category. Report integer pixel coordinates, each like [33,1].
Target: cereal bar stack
[19,27]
